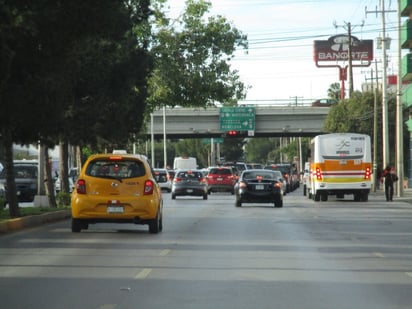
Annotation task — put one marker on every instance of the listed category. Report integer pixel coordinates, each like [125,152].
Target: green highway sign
[239,118]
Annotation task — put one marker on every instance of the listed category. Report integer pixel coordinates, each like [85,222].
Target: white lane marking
[143,273]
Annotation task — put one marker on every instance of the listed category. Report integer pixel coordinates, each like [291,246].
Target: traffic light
[232,133]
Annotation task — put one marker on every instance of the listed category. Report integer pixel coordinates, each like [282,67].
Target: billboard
[336,48]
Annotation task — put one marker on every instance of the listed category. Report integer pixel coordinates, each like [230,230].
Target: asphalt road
[211,254]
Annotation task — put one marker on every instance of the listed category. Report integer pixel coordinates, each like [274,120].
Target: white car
[305,179]
[73,175]
[163,179]
[57,185]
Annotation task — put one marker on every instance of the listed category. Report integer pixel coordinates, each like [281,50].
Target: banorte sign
[336,48]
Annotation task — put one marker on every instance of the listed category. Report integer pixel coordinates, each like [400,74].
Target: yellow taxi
[117,188]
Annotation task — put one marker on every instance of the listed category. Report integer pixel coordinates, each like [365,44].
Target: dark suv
[26,177]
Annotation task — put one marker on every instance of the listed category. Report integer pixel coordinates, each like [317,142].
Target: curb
[30,221]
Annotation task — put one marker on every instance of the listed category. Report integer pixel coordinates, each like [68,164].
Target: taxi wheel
[76,226]
[156,224]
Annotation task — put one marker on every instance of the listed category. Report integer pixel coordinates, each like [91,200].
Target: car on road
[221,179]
[117,188]
[280,177]
[189,182]
[172,173]
[26,178]
[163,179]
[289,172]
[259,186]
[324,102]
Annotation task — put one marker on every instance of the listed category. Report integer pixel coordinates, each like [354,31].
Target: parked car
[189,183]
[163,179]
[259,186]
[221,179]
[26,178]
[117,188]
[73,175]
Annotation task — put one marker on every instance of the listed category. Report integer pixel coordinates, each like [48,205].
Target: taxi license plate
[189,190]
[219,179]
[260,187]
[115,209]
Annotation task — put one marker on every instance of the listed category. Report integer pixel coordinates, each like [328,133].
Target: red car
[221,179]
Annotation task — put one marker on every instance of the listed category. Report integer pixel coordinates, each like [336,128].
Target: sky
[279,66]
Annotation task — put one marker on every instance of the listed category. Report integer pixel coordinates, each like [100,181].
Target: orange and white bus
[340,164]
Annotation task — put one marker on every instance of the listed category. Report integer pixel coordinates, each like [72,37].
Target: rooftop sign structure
[336,48]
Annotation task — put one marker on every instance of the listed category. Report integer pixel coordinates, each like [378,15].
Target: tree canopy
[192,59]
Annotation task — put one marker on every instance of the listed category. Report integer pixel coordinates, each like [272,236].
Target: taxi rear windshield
[116,169]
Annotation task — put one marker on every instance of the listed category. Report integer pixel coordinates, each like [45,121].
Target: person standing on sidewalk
[389,177]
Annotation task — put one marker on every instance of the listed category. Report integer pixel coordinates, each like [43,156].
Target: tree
[257,149]
[192,59]
[71,77]
[334,91]
[356,115]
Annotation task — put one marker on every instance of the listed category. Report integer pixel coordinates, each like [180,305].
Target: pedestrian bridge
[270,121]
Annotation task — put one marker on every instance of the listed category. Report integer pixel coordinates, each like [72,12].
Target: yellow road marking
[143,273]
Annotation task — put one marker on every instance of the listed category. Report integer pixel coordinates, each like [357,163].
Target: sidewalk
[380,194]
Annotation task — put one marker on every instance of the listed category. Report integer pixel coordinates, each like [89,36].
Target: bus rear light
[368,173]
[318,174]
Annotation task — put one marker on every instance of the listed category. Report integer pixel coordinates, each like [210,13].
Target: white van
[185,163]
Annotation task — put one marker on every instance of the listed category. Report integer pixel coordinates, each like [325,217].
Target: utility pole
[348,27]
[375,124]
[399,111]
[385,128]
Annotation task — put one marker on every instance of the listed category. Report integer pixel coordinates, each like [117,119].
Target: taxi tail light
[203,179]
[368,173]
[148,187]
[277,184]
[242,185]
[81,186]
[318,174]
[177,179]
